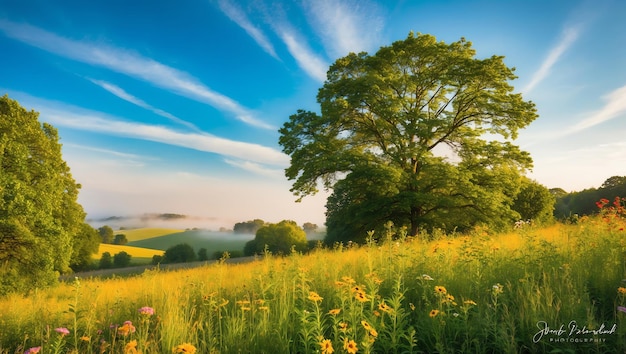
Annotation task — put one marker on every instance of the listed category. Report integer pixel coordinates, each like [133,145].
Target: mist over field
[174,221]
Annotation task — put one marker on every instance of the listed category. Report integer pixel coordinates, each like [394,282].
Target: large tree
[418,133]
[39,213]
[278,238]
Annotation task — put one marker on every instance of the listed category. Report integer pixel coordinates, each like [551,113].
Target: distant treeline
[569,205]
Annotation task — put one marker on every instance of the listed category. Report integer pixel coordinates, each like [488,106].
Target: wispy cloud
[256,168]
[121,93]
[307,60]
[241,19]
[615,106]
[131,64]
[345,26]
[64,115]
[568,37]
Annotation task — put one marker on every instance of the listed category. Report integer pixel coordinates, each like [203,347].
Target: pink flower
[146,310]
[33,350]
[621,308]
[62,331]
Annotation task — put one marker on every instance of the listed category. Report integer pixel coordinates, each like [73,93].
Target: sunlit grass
[145,233]
[461,293]
[135,252]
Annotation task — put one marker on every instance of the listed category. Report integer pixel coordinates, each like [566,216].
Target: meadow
[559,288]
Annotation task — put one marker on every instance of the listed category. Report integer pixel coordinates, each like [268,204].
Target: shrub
[180,253]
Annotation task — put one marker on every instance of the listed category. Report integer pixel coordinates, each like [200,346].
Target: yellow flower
[469,302]
[85,338]
[621,290]
[327,346]
[373,333]
[343,326]
[376,313]
[361,296]
[366,325]
[131,347]
[334,312]
[433,313]
[243,308]
[243,302]
[350,346]
[384,307]
[348,280]
[440,290]
[313,296]
[259,301]
[412,306]
[264,308]
[126,328]
[184,348]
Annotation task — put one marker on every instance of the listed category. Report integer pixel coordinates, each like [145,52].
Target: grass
[474,293]
[146,233]
[212,241]
[135,252]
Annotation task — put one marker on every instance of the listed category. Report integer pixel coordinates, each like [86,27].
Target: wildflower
[313,296]
[326,346]
[621,290]
[433,313]
[245,308]
[348,280]
[33,350]
[361,296]
[259,301]
[350,346]
[85,339]
[264,308]
[621,308]
[334,312]
[384,307]
[469,302]
[184,348]
[148,311]
[243,302]
[497,289]
[131,347]
[126,328]
[412,306]
[366,325]
[62,331]
[343,326]
[440,290]
[427,277]
[376,313]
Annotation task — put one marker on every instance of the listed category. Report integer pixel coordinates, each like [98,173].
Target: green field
[146,233]
[211,240]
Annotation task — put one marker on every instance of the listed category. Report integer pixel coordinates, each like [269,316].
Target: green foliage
[584,202]
[106,233]
[39,213]
[121,260]
[534,202]
[106,261]
[277,238]
[85,244]
[401,137]
[180,253]
[120,239]
[248,227]
[156,259]
[202,254]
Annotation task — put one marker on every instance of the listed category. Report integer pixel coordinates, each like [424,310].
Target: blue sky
[174,106]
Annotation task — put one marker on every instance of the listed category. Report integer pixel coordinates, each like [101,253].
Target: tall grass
[474,293]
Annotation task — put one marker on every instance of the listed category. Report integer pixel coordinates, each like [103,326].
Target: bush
[180,253]
[202,254]
[156,259]
[106,261]
[121,260]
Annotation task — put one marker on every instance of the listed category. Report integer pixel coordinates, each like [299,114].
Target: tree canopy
[40,218]
[418,133]
[278,238]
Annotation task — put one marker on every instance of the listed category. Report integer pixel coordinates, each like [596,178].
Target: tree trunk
[415,214]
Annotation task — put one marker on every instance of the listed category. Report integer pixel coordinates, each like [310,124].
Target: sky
[174,106]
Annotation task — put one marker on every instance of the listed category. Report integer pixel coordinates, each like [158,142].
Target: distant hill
[211,240]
